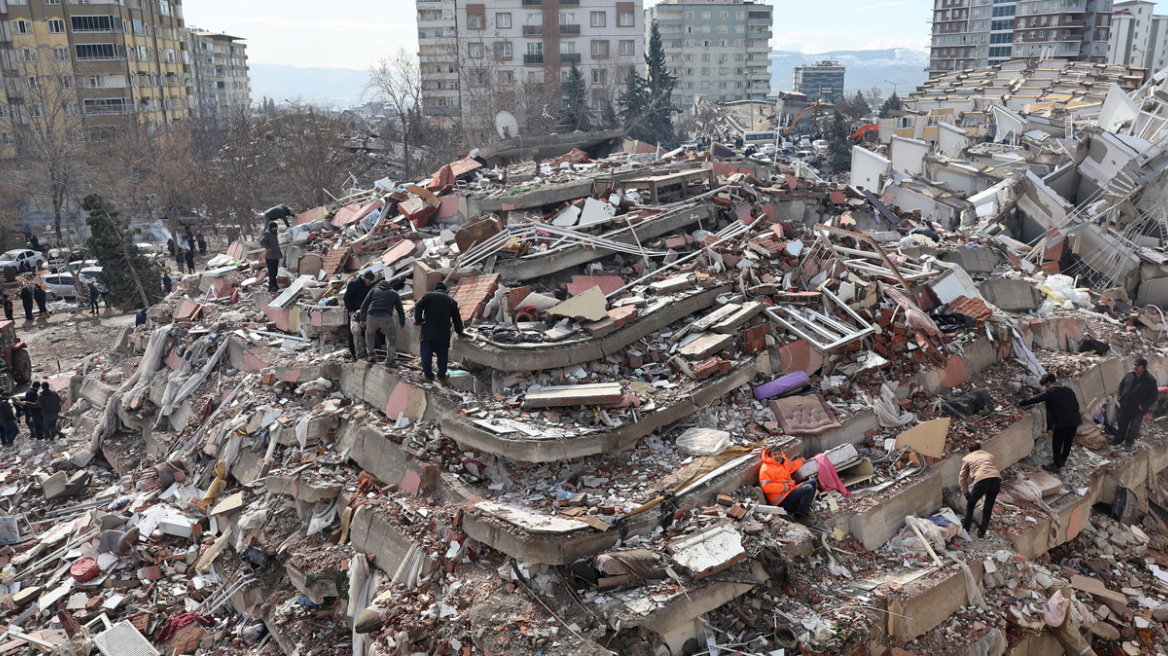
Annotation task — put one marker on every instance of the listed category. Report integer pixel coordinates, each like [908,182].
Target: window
[597,19]
[599,76]
[625,19]
[535,19]
[503,21]
[65,81]
[626,47]
[723,29]
[689,15]
[96,23]
[535,48]
[705,71]
[21,27]
[567,47]
[474,21]
[18,2]
[100,51]
[107,105]
[740,15]
[503,50]
[705,15]
[475,50]
[33,82]
[56,26]
[567,18]
[138,27]
[26,55]
[600,48]
[96,81]
[506,77]
[723,15]
[478,79]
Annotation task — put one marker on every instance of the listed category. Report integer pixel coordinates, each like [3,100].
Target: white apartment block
[479,57]
[1138,36]
[976,33]
[717,49]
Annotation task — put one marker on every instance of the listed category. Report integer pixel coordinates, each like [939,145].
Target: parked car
[805,142]
[22,260]
[820,145]
[88,274]
[77,265]
[59,285]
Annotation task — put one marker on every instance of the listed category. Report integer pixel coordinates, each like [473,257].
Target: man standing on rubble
[355,293]
[435,312]
[978,467]
[50,403]
[190,257]
[9,430]
[377,315]
[32,412]
[38,293]
[272,254]
[26,300]
[1062,419]
[776,478]
[1137,394]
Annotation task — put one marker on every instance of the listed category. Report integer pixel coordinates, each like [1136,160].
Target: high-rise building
[219,71]
[99,64]
[976,33]
[481,57]
[718,49]
[821,81]
[1138,36]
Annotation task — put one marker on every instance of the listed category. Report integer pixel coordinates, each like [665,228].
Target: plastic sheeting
[889,412]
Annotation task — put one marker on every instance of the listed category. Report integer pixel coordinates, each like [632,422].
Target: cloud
[881,5]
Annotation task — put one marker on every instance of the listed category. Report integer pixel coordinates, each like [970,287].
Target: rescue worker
[50,403]
[377,314]
[272,254]
[1137,394]
[26,300]
[1062,419]
[435,312]
[776,478]
[355,293]
[978,468]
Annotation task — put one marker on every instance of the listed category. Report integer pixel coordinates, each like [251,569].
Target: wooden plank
[569,395]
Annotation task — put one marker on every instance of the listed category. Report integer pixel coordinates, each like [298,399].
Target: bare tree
[47,131]
[313,158]
[397,81]
[239,177]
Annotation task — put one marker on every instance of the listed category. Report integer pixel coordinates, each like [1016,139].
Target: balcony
[569,30]
[532,3]
[569,58]
[533,30]
[531,60]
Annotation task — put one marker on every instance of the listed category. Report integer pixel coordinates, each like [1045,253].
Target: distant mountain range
[865,68]
[344,87]
[338,88]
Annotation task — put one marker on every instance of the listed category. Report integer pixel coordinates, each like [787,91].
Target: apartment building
[819,81]
[100,64]
[482,57]
[976,33]
[1138,36]
[718,49]
[218,71]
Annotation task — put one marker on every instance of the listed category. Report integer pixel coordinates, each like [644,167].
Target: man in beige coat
[978,468]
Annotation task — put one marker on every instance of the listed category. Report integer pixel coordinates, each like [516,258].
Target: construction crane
[793,127]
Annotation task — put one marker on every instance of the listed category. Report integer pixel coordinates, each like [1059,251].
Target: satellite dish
[506,125]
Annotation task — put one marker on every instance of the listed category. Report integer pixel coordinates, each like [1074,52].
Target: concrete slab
[1011,294]
[878,524]
[919,608]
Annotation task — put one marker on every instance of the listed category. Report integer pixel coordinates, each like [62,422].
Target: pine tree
[133,283]
[634,106]
[861,103]
[659,88]
[575,115]
[890,105]
[608,117]
[839,151]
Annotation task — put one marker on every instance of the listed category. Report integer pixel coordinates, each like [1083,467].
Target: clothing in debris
[435,312]
[828,477]
[967,404]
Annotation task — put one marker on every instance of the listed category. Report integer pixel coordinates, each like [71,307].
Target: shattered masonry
[639,327]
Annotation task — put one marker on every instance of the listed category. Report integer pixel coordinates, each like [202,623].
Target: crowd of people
[39,406]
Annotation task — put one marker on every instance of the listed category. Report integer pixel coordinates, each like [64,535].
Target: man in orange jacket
[775,479]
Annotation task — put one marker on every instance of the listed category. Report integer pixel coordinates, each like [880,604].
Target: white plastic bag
[703,441]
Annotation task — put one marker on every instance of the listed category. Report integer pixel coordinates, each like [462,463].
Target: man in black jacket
[377,314]
[42,298]
[1137,394]
[272,255]
[1062,419]
[50,403]
[355,294]
[32,412]
[435,312]
[26,300]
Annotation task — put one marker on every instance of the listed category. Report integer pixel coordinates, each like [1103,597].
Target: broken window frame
[837,331]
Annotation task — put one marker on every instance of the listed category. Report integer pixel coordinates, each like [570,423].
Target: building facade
[218,71]
[821,81]
[975,33]
[717,49]
[1138,36]
[91,66]
[481,57]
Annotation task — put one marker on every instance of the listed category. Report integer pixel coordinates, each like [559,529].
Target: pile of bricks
[472,294]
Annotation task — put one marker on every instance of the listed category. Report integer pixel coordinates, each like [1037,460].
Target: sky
[356,33]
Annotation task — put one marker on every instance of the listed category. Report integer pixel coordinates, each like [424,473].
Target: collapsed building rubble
[639,327]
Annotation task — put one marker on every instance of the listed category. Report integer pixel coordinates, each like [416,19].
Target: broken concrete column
[1011,294]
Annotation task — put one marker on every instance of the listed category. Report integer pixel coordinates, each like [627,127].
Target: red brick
[581,284]
[737,512]
[335,261]
[472,294]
